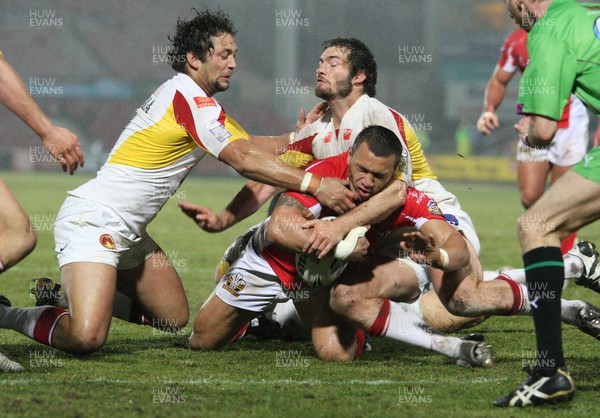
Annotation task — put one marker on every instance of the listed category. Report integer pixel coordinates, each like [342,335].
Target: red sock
[382,322]
[240,334]
[518,296]
[46,323]
[567,243]
[360,343]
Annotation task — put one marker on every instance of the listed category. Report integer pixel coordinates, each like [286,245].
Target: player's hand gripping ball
[317,272]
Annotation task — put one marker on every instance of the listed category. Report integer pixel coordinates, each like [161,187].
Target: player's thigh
[156,285]
[90,289]
[11,212]
[382,277]
[217,323]
[15,227]
[569,204]
[333,337]
[532,180]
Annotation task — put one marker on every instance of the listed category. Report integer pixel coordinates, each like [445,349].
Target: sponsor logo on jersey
[218,130]
[327,137]
[432,207]
[234,283]
[347,134]
[107,241]
[205,101]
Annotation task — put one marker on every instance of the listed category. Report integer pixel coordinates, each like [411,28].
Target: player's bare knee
[342,299]
[86,343]
[529,198]
[20,239]
[334,355]
[460,304]
[533,225]
[201,341]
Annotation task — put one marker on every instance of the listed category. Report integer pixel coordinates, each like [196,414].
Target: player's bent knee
[342,299]
[200,341]
[335,355]
[86,343]
[528,199]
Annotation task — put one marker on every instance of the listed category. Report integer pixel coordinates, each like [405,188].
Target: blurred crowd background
[91,64]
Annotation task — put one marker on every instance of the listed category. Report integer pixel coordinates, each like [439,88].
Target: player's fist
[487,122]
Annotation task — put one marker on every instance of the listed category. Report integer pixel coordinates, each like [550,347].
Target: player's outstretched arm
[258,165]
[494,94]
[248,201]
[326,235]
[437,244]
[61,143]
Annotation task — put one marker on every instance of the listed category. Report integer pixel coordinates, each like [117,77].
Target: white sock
[573,270]
[405,326]
[569,309]
[573,266]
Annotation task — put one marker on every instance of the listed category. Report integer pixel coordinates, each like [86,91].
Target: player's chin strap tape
[347,245]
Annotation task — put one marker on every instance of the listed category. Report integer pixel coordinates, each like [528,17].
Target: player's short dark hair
[381,141]
[360,58]
[194,36]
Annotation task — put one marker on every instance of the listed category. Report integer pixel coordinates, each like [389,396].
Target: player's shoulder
[417,201]
[184,88]
[379,113]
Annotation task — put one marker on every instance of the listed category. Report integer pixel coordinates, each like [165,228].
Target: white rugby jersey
[169,134]
[321,140]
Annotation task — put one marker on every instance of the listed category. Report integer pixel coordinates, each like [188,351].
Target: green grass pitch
[143,372]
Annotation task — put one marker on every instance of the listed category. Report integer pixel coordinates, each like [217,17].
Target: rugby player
[564,49]
[536,164]
[266,271]
[17,237]
[100,231]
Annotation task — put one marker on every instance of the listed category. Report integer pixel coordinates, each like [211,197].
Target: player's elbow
[234,155]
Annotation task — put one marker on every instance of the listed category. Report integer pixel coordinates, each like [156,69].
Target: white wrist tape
[305,182]
[444,259]
[347,245]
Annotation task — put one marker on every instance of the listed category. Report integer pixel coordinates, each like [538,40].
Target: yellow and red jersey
[169,134]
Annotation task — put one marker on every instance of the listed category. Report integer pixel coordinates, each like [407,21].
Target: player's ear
[192,60]
[349,155]
[359,78]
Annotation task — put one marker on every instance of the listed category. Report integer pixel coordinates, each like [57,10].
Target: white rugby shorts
[86,231]
[450,207]
[568,146]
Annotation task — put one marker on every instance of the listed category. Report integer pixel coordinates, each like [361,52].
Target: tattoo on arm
[286,200]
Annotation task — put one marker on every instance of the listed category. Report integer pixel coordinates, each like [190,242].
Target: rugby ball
[317,272]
